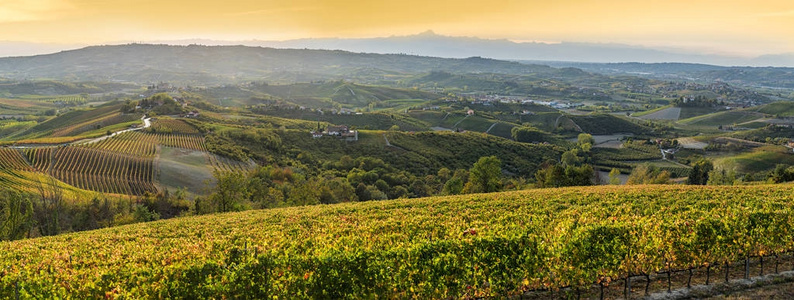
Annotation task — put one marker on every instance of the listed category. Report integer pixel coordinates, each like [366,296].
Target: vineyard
[464,246]
[123,164]
[104,171]
[173,126]
[93,124]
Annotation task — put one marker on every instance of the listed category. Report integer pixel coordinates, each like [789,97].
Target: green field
[722,118]
[486,245]
[184,168]
[779,109]
[759,160]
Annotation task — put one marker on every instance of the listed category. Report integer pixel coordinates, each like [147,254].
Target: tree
[782,173]
[614,176]
[552,175]
[47,209]
[16,210]
[485,176]
[720,177]
[454,186]
[231,189]
[648,174]
[571,158]
[527,134]
[584,139]
[700,172]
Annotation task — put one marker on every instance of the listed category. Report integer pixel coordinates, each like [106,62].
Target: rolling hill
[190,64]
[483,245]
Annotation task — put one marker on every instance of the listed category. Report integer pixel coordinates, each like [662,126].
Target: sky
[737,27]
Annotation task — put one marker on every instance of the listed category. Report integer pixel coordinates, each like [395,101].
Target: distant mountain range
[432,44]
[142,63]
[213,65]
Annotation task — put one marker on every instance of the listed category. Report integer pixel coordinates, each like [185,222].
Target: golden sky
[720,26]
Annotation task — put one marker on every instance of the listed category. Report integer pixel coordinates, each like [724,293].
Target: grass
[691,112]
[721,118]
[761,159]
[779,109]
[183,168]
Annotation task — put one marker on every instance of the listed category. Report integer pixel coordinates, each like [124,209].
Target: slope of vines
[463,246]
[103,171]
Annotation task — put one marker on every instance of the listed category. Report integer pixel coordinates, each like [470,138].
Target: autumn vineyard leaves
[123,164]
[461,246]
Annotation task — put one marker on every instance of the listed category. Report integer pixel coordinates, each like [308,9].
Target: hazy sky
[718,26]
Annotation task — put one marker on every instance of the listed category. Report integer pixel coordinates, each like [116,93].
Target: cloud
[30,10]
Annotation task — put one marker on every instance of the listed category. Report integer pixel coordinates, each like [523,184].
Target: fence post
[16,289]
[747,267]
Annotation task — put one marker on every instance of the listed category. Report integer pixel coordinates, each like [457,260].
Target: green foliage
[223,145]
[614,176]
[778,109]
[230,192]
[161,104]
[648,174]
[485,176]
[585,138]
[528,134]
[782,173]
[700,172]
[455,184]
[720,177]
[558,175]
[16,211]
[463,246]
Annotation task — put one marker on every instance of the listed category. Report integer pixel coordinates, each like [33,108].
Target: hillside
[191,64]
[463,246]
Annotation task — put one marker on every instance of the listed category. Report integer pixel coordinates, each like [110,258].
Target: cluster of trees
[158,104]
[46,212]
[529,134]
[573,169]
[697,101]
[273,186]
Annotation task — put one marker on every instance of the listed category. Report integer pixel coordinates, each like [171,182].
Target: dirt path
[492,126]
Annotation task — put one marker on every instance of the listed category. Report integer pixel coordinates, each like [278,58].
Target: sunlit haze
[737,27]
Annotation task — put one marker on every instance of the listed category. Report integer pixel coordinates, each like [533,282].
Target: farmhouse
[342,131]
[337,130]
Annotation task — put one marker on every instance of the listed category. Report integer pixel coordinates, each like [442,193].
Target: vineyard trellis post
[601,285]
[727,270]
[708,273]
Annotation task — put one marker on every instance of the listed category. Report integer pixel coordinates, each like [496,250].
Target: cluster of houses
[489,100]
[191,114]
[341,132]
